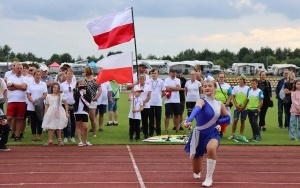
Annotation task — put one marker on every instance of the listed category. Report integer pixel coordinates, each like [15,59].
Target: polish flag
[112,29]
[116,67]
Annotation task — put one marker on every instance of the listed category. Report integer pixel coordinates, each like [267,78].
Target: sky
[162,27]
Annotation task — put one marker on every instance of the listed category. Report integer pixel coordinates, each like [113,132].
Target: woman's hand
[68,115]
[187,125]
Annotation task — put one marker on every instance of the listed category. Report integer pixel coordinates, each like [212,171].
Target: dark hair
[25,66]
[88,71]
[52,86]
[254,80]
[154,69]
[294,85]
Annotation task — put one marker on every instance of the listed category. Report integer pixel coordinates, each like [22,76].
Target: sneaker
[48,144]
[197,176]
[254,139]
[73,139]
[115,123]
[109,124]
[80,144]
[100,129]
[4,148]
[94,136]
[60,143]
[181,128]
[232,136]
[91,130]
[65,139]
[88,144]
[174,128]
[242,139]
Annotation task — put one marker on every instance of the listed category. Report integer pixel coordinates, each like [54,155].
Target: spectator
[158,91]
[295,112]
[142,69]
[11,72]
[3,93]
[56,117]
[240,94]
[102,101]
[255,101]
[182,98]
[81,111]
[64,69]
[16,103]
[5,132]
[172,101]
[36,90]
[287,101]
[224,94]
[67,88]
[145,95]
[134,116]
[46,78]
[265,86]
[280,95]
[192,91]
[113,105]
[95,91]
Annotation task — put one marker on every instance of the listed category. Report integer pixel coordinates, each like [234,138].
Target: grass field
[116,135]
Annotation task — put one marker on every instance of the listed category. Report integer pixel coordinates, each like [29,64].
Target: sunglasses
[70,89]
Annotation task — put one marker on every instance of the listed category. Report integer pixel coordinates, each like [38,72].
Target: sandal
[48,144]
[38,140]
[17,139]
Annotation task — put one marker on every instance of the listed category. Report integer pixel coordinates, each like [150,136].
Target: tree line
[225,58]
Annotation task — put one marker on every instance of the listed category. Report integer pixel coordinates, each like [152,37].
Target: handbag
[230,104]
[71,107]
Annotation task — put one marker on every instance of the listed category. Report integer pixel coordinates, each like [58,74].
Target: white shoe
[73,139]
[80,144]
[197,176]
[65,139]
[94,136]
[231,137]
[207,183]
[88,144]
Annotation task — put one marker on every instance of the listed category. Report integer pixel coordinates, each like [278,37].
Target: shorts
[189,107]
[237,114]
[16,109]
[172,108]
[93,105]
[81,117]
[113,106]
[101,109]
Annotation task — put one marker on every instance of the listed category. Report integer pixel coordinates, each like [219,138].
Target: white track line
[136,169]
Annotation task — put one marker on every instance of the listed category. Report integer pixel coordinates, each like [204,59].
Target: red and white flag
[112,29]
[116,67]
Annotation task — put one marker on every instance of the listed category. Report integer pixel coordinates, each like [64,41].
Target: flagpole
[136,59]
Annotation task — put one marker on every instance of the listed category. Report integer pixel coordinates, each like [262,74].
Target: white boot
[209,172]
[197,176]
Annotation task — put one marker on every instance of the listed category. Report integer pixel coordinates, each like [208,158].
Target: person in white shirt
[136,106]
[102,102]
[145,95]
[67,88]
[64,69]
[35,90]
[3,93]
[16,84]
[158,91]
[141,70]
[192,91]
[172,101]
[11,72]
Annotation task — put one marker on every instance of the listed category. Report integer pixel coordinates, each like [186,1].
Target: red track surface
[146,166]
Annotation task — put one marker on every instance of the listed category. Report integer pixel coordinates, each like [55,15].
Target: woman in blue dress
[205,138]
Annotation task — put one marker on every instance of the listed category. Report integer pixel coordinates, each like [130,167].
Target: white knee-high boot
[211,164]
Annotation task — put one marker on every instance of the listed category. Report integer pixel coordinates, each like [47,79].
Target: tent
[54,64]
[92,64]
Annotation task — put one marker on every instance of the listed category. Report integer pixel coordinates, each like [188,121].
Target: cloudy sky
[163,27]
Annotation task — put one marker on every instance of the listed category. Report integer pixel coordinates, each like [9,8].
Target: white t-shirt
[8,74]
[28,80]
[4,87]
[16,95]
[146,89]
[175,94]
[135,103]
[192,89]
[36,90]
[103,98]
[80,106]
[157,86]
[67,89]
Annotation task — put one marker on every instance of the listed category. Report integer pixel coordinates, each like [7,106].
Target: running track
[148,166]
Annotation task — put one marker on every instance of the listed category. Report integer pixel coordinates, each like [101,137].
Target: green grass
[116,135]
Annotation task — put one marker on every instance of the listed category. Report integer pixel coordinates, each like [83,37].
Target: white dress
[55,117]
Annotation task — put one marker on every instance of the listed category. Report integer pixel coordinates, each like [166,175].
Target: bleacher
[233,81]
